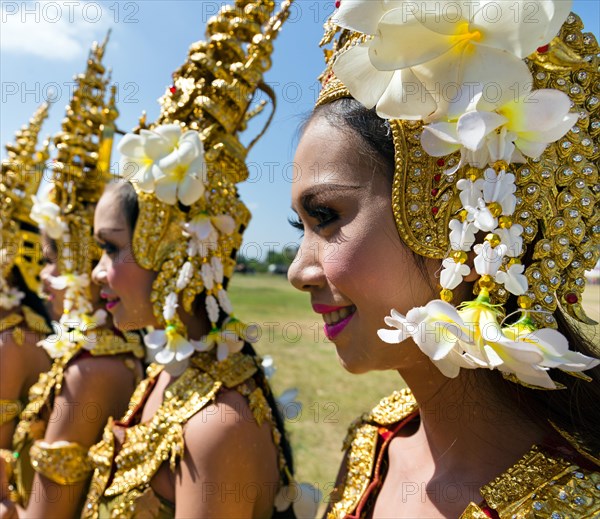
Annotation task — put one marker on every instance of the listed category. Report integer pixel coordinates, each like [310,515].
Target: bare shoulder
[226,430]
[111,373]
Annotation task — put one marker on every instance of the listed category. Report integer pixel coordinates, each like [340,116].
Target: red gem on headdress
[543,49]
[440,162]
[571,298]
[172,89]
[437,177]
[435,191]
[435,210]
[337,4]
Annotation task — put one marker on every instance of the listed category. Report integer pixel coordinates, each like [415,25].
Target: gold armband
[9,410]
[9,463]
[65,463]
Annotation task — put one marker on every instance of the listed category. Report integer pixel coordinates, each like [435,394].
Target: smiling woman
[427,200]
[204,421]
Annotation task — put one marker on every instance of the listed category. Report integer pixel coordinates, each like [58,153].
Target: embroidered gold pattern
[9,410]
[65,463]
[543,485]
[361,443]
[6,323]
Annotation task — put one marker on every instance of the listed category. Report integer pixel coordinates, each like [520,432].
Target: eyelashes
[108,247]
[323,215]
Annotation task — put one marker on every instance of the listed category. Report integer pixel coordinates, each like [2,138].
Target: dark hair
[575,408]
[128,200]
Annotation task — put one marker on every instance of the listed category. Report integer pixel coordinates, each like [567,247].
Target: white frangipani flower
[227,342]
[203,235]
[453,273]
[414,55]
[472,338]
[515,130]
[170,349]
[481,216]
[167,162]
[58,343]
[513,279]
[69,280]
[47,215]
[488,259]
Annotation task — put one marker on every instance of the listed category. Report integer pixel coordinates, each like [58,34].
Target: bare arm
[229,468]
[12,375]
[93,390]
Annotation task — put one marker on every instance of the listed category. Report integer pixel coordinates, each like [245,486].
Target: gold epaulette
[361,446]
[109,343]
[65,463]
[9,410]
[233,371]
[542,484]
[10,321]
[35,322]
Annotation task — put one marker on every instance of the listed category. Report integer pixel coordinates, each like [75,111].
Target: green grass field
[332,398]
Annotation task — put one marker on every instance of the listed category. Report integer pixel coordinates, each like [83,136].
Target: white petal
[360,16]
[166,190]
[473,127]
[392,336]
[224,222]
[155,339]
[222,351]
[131,145]
[363,80]
[440,139]
[405,98]
[165,356]
[190,190]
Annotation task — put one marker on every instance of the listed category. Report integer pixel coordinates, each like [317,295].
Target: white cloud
[54,30]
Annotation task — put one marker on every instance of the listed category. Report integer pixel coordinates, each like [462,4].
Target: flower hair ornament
[185,168]
[20,178]
[495,119]
[79,174]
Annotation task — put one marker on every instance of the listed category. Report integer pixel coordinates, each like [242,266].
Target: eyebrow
[101,234]
[312,192]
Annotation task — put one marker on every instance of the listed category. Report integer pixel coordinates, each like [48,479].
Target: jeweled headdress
[185,169]
[496,122]
[79,173]
[20,178]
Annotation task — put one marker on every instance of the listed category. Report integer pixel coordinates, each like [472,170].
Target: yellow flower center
[179,172]
[464,37]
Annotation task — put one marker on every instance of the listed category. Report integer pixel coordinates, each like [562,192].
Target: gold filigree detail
[361,444]
[10,321]
[9,410]
[65,463]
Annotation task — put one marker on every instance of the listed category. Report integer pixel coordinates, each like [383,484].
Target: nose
[99,272]
[306,272]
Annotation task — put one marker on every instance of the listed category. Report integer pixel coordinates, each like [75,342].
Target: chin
[355,365]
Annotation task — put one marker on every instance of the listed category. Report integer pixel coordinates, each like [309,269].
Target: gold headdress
[185,170]
[519,172]
[79,174]
[20,178]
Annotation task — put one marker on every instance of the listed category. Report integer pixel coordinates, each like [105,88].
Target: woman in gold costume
[23,317]
[446,164]
[202,437]
[95,368]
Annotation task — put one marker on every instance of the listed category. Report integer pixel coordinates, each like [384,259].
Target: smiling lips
[110,302]
[336,318]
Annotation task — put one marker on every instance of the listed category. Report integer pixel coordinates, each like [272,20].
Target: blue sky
[43,44]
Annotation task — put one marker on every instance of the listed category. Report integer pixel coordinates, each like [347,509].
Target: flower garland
[75,327]
[170,164]
[404,63]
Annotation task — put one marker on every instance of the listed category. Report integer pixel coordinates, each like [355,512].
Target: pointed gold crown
[557,194]
[212,93]
[81,168]
[20,178]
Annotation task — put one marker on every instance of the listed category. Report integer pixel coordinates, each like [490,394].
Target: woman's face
[55,298]
[125,286]
[351,260]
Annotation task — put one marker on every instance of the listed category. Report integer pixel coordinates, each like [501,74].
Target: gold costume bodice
[543,483]
[62,462]
[130,453]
